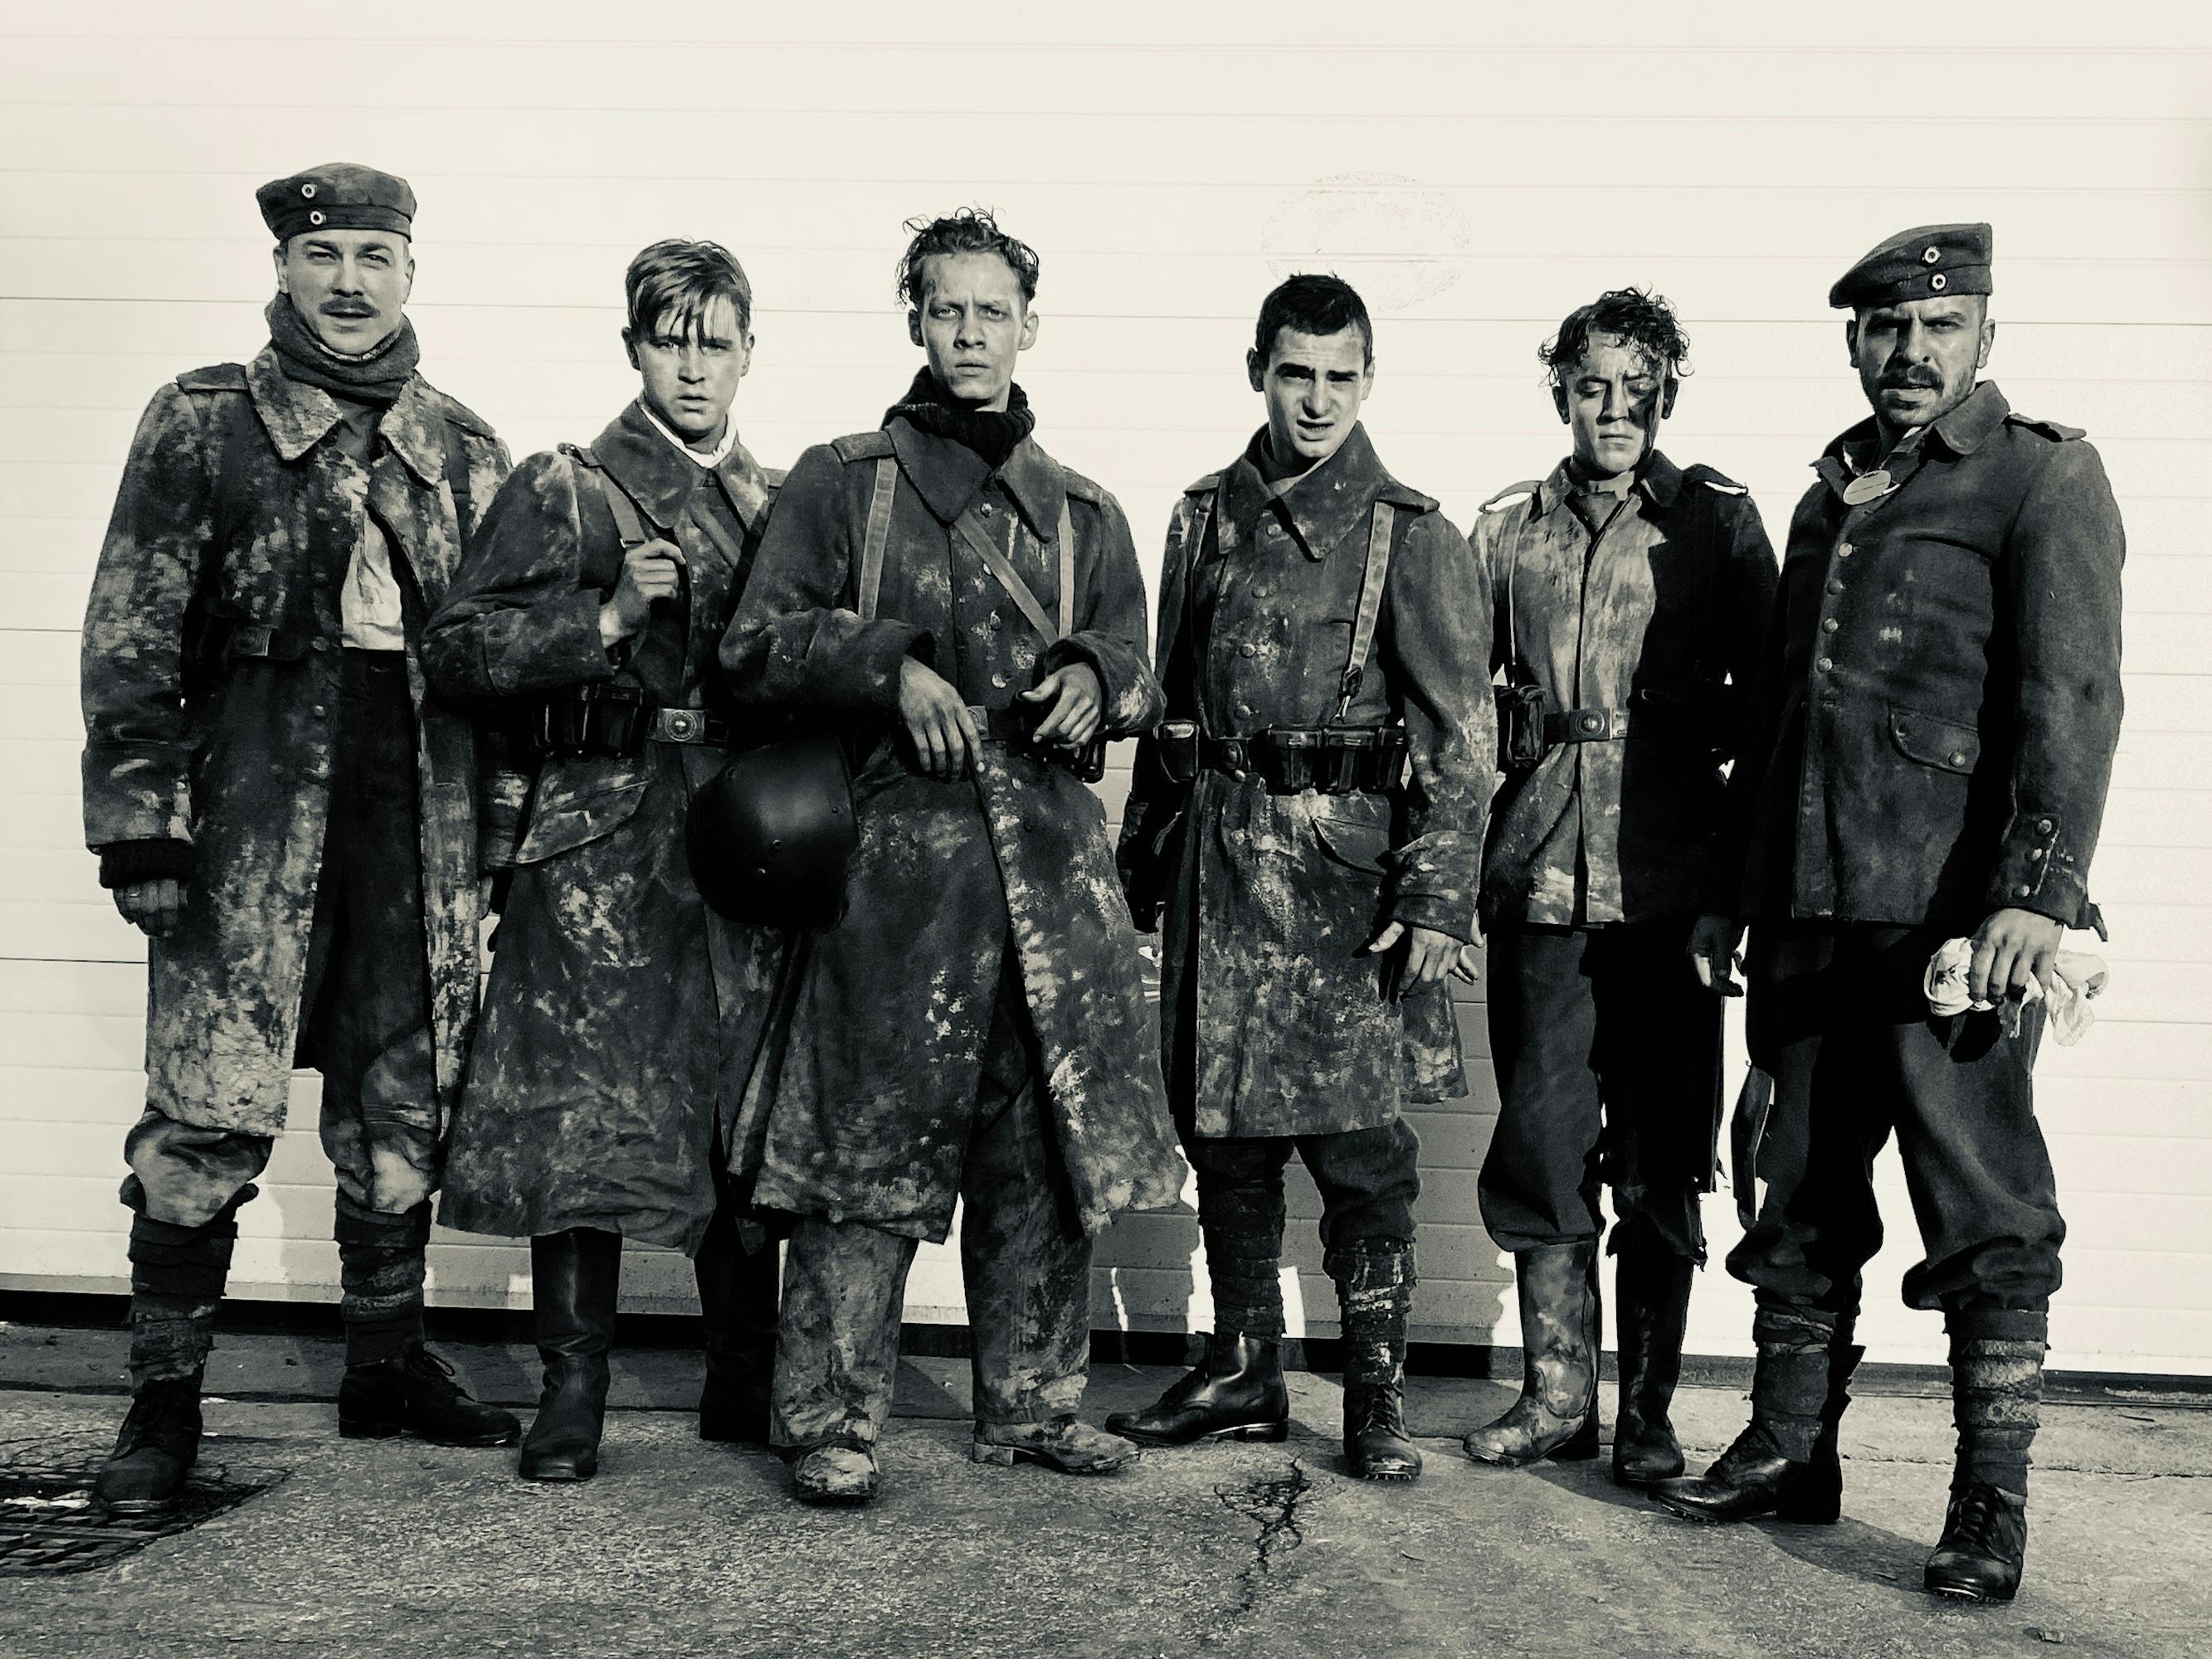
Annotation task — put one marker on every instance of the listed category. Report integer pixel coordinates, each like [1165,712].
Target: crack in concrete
[1272,1501]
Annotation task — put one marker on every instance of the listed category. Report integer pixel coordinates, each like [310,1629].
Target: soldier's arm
[519,618]
[2060,598]
[138,751]
[1437,616]
[797,638]
[1148,817]
[1110,630]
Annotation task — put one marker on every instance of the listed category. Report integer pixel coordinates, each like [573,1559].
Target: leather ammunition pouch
[1520,727]
[1288,760]
[613,722]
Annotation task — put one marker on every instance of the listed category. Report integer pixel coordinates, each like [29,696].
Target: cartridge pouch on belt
[1288,760]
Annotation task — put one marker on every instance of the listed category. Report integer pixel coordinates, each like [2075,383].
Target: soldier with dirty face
[970,613]
[623,1016]
[286,809]
[1940,706]
[1633,596]
[1305,832]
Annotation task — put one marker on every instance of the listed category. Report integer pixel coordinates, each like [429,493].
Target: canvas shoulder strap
[630,528]
[1374,575]
[879,537]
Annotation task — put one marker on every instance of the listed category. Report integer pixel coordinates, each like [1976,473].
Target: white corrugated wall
[1477,168]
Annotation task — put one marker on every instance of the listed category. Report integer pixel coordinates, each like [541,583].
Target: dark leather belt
[1591,725]
[615,722]
[689,725]
[1351,760]
[1015,725]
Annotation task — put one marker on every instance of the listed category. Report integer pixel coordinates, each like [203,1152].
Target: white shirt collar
[713,457]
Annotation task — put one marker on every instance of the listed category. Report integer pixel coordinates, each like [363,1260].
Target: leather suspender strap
[1067,569]
[879,537]
[1373,576]
[977,535]
[627,525]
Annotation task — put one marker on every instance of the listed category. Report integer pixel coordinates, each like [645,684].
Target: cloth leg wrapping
[1996,1393]
[1240,1218]
[380,1268]
[1374,1283]
[177,1279]
[1789,1383]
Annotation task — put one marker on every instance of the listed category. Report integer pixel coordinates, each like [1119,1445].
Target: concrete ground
[679,1549]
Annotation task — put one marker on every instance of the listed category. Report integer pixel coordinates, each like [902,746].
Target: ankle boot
[738,1305]
[1651,1307]
[1556,1415]
[418,1393]
[1786,1463]
[574,1276]
[153,1453]
[1996,1398]
[1375,1296]
[1236,1393]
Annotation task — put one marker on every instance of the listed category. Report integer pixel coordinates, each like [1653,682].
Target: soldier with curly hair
[1632,595]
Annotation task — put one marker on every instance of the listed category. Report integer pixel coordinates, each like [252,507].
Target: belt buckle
[1591,721]
[684,724]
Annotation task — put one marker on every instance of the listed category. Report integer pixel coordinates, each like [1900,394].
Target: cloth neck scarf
[374,377]
[991,433]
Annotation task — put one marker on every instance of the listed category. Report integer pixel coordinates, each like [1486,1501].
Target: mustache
[1916,380]
[345,308]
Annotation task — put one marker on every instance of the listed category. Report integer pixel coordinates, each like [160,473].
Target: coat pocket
[579,802]
[1354,829]
[1934,741]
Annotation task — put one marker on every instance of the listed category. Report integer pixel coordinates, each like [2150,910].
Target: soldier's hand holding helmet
[650,572]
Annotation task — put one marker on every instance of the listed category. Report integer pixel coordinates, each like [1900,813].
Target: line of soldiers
[324,595]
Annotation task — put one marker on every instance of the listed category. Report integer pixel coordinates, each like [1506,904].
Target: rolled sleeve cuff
[2036,871]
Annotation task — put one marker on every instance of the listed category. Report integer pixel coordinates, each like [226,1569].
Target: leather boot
[1065,1445]
[1786,1463]
[1556,1416]
[737,1305]
[1651,1308]
[1236,1393]
[838,1475]
[574,1278]
[418,1393]
[1996,1398]
[1375,1296]
[145,1475]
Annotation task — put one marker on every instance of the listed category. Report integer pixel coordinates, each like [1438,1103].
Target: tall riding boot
[737,1272]
[1996,1400]
[177,1279]
[1786,1462]
[574,1276]
[1651,1307]
[1556,1415]
[1374,1295]
[1237,1392]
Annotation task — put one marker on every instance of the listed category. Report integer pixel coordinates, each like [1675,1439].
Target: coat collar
[1321,507]
[1963,431]
[946,474]
[297,417]
[1660,483]
[661,480]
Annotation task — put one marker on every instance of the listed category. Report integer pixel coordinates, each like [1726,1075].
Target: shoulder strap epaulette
[1083,489]
[2056,431]
[1204,486]
[459,414]
[1505,497]
[863,446]
[1407,498]
[216,377]
[1713,479]
[775,476]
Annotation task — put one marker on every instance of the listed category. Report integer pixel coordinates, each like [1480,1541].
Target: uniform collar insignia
[947,475]
[298,417]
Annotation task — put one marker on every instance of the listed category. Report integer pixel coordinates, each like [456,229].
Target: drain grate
[49,1522]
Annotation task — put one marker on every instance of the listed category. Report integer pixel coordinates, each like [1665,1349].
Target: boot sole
[141,1508]
[1270,1433]
[360,1431]
[1390,1477]
[558,1475]
[832,1500]
[1006,1456]
[1794,1515]
[1961,1593]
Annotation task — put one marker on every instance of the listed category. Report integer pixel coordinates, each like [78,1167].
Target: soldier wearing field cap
[288,812]
[1939,699]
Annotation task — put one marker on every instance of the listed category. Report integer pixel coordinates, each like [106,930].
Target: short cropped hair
[673,283]
[1641,319]
[1313,304]
[966,230]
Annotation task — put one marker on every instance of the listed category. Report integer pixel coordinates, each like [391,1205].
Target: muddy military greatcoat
[868,1117]
[1271,899]
[623,1016]
[211,676]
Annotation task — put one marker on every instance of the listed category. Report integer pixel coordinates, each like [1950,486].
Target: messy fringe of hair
[1641,318]
[671,284]
[1312,302]
[965,230]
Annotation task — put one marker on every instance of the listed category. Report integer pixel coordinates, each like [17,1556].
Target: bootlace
[1378,1410]
[1980,1518]
[435,1373]
[163,1417]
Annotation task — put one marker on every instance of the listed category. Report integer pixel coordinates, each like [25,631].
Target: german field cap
[1924,263]
[337,196]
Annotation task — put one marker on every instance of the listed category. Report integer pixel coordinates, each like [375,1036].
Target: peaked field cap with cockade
[1920,263]
[337,196]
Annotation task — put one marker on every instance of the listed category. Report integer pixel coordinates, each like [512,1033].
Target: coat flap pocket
[579,801]
[1934,742]
[252,638]
[1355,829]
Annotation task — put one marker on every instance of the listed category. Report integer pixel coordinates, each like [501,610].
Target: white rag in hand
[2077,976]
